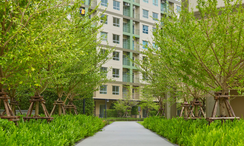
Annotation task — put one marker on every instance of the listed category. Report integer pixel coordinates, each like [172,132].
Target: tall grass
[198,132]
[63,130]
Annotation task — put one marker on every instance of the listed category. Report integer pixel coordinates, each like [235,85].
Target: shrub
[198,132]
[63,130]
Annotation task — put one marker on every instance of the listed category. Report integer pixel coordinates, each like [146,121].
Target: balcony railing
[126,12]
[92,3]
[136,1]
[126,27]
[135,80]
[126,61]
[126,78]
[136,15]
[136,47]
[126,44]
[136,31]
[135,95]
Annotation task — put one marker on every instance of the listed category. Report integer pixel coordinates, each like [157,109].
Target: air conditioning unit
[163,1]
[126,4]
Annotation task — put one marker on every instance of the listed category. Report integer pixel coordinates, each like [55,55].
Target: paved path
[125,134]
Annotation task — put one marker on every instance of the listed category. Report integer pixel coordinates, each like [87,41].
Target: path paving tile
[125,134]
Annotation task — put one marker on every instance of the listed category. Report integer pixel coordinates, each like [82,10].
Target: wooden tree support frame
[61,107]
[7,109]
[232,116]
[37,99]
[15,103]
[194,105]
[71,106]
[185,108]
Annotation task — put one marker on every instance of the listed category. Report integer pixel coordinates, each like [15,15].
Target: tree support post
[61,109]
[71,106]
[9,113]
[37,100]
[225,98]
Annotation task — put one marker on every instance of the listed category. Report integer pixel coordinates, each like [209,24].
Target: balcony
[135,95]
[136,31]
[92,3]
[126,43]
[126,11]
[136,15]
[163,8]
[135,80]
[136,47]
[126,61]
[136,1]
[126,27]
[126,77]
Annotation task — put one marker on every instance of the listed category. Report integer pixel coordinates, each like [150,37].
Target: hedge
[198,132]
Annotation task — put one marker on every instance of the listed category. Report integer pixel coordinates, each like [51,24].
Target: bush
[63,130]
[112,113]
[198,132]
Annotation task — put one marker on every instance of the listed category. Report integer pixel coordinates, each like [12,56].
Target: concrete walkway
[125,134]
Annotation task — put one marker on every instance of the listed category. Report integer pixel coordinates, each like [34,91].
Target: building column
[170,107]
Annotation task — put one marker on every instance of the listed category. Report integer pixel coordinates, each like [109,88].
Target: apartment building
[128,29]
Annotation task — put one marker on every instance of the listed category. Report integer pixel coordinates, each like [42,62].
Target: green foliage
[198,132]
[63,130]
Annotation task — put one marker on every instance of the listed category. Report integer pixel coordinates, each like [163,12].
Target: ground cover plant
[198,132]
[63,130]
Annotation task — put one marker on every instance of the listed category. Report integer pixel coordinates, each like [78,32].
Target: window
[115,39]
[104,36]
[145,13]
[144,76]
[154,29]
[145,29]
[146,1]
[115,21]
[115,90]
[103,70]
[116,56]
[103,89]
[115,73]
[145,44]
[155,2]
[104,19]
[155,16]
[178,8]
[116,5]
[155,46]
[104,3]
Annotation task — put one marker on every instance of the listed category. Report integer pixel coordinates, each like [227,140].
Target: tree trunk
[59,110]
[186,112]
[37,108]
[222,108]
[196,111]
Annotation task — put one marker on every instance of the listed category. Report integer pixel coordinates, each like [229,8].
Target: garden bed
[198,132]
[63,130]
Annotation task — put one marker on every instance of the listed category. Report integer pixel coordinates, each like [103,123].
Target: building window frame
[116,56]
[116,22]
[104,36]
[104,70]
[103,89]
[145,29]
[155,16]
[102,21]
[116,5]
[115,73]
[146,1]
[145,44]
[104,3]
[115,38]
[115,90]
[155,2]
[145,13]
